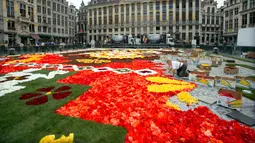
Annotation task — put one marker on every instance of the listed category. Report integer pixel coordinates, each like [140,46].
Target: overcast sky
[77,3]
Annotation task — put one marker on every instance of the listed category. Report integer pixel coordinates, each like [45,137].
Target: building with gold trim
[26,21]
[181,18]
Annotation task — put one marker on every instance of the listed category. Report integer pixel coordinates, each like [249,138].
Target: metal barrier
[231,50]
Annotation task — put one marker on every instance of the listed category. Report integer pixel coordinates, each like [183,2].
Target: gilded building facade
[180,18]
[82,24]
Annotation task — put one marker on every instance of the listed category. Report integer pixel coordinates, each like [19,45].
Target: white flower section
[12,85]
[86,68]
[145,72]
[122,71]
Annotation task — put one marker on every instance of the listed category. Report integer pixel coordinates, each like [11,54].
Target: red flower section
[61,95]
[63,88]
[11,68]
[48,58]
[42,97]
[123,100]
[38,101]
[135,65]
[29,95]
[52,59]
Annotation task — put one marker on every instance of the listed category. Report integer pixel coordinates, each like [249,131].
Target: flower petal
[47,89]
[29,95]
[61,95]
[38,101]
[62,88]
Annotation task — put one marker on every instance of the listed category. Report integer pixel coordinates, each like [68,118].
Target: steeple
[82,3]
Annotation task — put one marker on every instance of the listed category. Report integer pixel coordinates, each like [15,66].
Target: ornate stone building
[211,22]
[82,24]
[26,21]
[181,18]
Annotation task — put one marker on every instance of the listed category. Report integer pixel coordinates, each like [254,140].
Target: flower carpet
[104,96]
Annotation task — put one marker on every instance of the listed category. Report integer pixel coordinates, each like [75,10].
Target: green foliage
[21,123]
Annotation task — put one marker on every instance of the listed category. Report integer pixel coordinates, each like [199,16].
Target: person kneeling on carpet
[180,67]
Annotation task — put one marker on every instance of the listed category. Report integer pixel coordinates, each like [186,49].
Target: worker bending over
[180,67]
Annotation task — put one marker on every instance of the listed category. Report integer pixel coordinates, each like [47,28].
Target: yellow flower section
[205,65]
[171,105]
[63,139]
[187,98]
[118,54]
[88,61]
[168,87]
[166,80]
[28,59]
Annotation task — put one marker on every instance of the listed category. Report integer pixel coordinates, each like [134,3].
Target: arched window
[208,9]
[213,10]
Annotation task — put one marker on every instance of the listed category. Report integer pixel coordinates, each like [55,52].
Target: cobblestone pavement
[248,107]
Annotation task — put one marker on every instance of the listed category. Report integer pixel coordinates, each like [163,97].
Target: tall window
[39,29]
[49,11]
[44,10]
[54,6]
[252,18]
[44,29]
[62,21]
[39,19]
[236,23]
[244,19]
[58,19]
[65,10]
[245,5]
[157,5]
[44,20]
[48,3]
[164,6]
[177,4]
[151,5]
[62,9]
[32,28]
[39,9]
[127,18]
[226,13]
[10,8]
[11,25]
[30,11]
[122,8]
[252,3]
[230,24]
[54,19]
[49,20]
[66,22]
[116,8]
[236,11]
[212,19]
[145,8]
[58,7]
[22,9]
[226,25]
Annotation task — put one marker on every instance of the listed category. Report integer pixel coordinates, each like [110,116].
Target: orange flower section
[124,100]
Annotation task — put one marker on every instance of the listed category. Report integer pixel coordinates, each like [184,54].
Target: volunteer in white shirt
[180,67]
